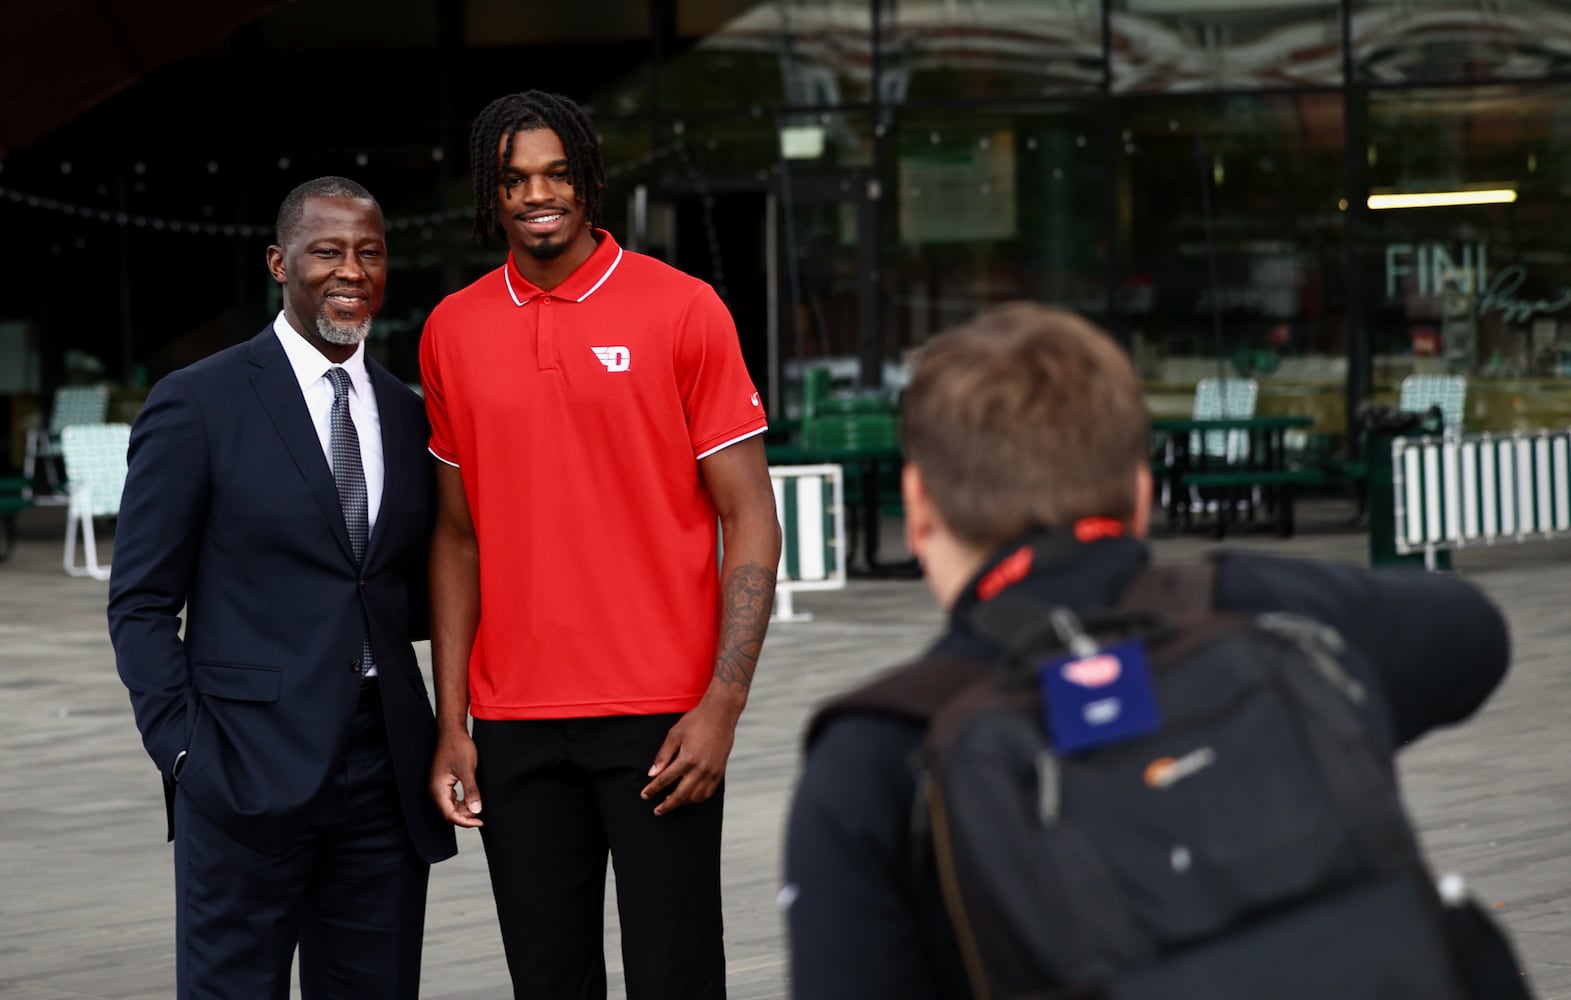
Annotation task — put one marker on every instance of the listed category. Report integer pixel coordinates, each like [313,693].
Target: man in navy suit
[280,492]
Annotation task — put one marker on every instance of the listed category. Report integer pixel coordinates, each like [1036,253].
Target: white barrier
[1480,489]
[810,501]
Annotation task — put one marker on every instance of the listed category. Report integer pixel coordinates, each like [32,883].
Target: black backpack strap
[914,692]
[1166,595]
[1017,623]
[1178,594]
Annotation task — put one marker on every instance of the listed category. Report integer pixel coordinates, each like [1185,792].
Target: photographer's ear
[921,520]
[1140,520]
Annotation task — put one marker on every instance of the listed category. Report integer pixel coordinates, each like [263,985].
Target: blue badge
[1097,697]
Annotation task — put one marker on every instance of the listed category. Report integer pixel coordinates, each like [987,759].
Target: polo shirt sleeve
[718,397]
[441,444]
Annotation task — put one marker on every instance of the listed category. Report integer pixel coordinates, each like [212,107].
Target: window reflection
[996,206]
[1483,290]
[1008,49]
[1403,41]
[1232,242]
[1188,45]
[811,53]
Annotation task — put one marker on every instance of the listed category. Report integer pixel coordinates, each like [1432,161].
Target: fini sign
[1433,269]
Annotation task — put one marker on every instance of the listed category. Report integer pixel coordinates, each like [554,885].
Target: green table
[16,495]
[1265,468]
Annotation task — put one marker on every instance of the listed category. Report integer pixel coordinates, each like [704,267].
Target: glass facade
[1209,179]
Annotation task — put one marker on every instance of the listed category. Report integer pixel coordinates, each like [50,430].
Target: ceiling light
[1443,199]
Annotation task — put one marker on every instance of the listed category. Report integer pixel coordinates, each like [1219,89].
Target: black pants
[350,892]
[556,797]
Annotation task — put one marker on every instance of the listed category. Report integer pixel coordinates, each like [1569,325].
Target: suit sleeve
[163,514]
[862,927]
[1437,645]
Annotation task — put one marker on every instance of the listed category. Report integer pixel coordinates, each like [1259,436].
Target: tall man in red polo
[593,420]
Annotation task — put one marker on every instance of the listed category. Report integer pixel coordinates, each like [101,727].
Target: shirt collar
[309,364]
[585,280]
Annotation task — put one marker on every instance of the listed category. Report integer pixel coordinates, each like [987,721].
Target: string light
[424,222]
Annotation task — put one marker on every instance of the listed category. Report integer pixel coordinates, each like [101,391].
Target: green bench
[16,495]
[1238,484]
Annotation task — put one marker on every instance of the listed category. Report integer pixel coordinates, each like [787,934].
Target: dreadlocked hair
[293,205]
[525,112]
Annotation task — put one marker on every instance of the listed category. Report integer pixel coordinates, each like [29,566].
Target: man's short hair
[1025,418]
[293,206]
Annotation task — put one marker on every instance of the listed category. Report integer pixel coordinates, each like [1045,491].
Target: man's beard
[345,336]
[546,251]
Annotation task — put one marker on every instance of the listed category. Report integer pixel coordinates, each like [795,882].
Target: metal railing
[810,501]
[1456,491]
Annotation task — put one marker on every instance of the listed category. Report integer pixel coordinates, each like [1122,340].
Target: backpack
[1252,844]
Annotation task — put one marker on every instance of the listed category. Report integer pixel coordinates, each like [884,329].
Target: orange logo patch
[1164,772]
[1156,772]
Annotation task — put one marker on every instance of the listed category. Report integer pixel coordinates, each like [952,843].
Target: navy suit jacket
[230,511]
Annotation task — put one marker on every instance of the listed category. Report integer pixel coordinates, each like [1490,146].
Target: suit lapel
[394,428]
[279,391]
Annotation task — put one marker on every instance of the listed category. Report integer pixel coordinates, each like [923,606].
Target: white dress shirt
[311,371]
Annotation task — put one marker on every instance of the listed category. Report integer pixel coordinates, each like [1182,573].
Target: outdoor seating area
[858,430]
[1229,453]
[73,457]
[1249,449]
[70,406]
[16,495]
[95,466]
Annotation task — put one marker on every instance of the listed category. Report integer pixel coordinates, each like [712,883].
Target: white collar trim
[513,293]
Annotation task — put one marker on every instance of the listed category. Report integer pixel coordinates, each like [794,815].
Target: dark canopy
[58,58]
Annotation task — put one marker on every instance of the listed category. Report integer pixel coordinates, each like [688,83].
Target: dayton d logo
[615,359]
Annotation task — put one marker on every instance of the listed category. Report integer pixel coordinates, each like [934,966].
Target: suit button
[362,583]
[355,667]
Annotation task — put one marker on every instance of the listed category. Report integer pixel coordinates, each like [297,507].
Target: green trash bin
[1380,427]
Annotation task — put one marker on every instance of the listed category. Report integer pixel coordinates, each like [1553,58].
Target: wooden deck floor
[85,883]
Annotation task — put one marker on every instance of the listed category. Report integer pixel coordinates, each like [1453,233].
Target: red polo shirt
[577,418]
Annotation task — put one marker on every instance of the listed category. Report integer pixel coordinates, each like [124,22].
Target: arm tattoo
[747,595]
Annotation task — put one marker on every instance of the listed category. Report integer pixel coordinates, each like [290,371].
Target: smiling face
[538,208]
[334,272]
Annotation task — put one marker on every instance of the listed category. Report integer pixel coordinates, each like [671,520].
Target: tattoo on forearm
[746,598]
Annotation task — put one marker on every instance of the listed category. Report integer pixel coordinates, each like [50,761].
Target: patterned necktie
[350,478]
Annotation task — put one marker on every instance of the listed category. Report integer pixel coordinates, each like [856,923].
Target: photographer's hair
[293,205]
[1025,418]
[505,117]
